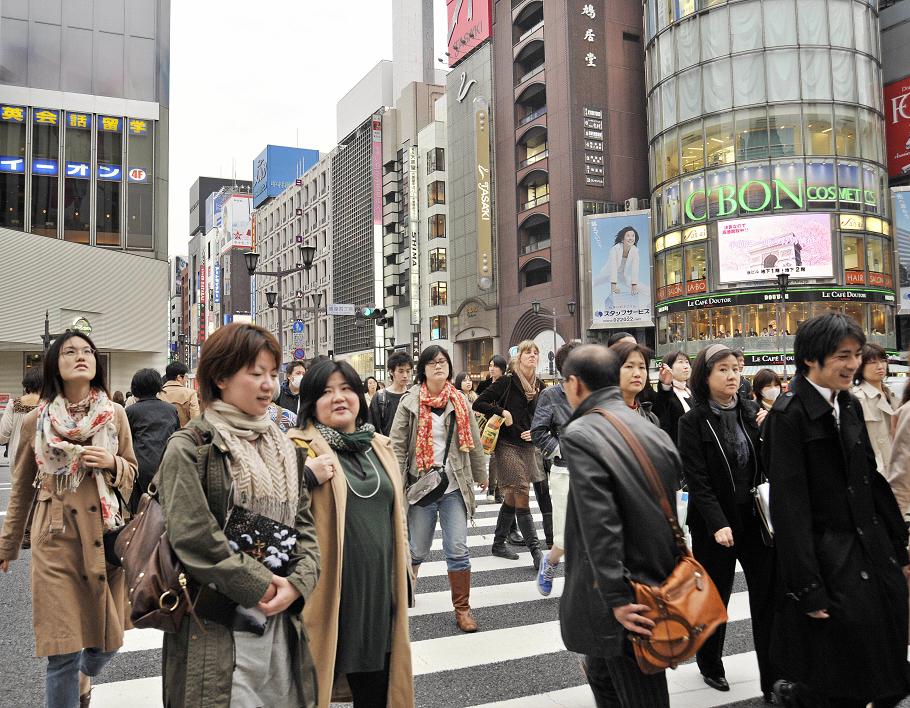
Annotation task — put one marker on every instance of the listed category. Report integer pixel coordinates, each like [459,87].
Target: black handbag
[430,486]
[110,537]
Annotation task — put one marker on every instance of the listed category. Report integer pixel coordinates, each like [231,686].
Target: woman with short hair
[877,401]
[229,477]
[633,377]
[357,617]
[75,462]
[16,410]
[674,399]
[514,397]
[766,388]
[465,384]
[434,427]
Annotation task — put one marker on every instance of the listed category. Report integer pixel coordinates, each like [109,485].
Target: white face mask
[295,381]
[770,393]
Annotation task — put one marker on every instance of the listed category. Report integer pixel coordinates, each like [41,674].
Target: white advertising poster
[237,223]
[760,247]
[901,215]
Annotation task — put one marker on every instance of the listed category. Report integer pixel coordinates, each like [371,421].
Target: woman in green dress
[356,617]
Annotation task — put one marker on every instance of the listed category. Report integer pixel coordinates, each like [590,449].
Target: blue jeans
[453,517]
[62,686]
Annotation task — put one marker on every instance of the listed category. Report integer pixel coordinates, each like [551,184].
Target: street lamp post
[535,306]
[783,280]
[307,253]
[48,336]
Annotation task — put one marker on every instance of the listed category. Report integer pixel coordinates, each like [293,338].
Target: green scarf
[360,440]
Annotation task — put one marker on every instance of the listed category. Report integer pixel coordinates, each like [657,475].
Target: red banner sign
[897,127]
[470,24]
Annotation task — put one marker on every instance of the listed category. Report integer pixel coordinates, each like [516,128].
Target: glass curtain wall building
[767,157]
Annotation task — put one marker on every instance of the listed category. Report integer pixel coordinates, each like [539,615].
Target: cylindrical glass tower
[767,158]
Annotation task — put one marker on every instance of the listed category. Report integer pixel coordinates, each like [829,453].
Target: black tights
[370,688]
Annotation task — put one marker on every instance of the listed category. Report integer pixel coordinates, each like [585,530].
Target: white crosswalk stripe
[519,632]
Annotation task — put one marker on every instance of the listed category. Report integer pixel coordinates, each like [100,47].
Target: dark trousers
[803,697]
[542,493]
[370,688]
[757,561]
[617,682]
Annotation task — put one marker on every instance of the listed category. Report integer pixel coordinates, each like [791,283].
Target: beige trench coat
[78,601]
[899,469]
[320,614]
[877,413]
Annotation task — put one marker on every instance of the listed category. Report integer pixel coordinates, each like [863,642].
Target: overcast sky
[247,74]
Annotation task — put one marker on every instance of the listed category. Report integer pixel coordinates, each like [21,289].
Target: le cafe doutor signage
[768,297]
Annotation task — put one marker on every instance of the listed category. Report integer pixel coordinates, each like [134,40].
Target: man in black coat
[607,488]
[841,629]
[152,422]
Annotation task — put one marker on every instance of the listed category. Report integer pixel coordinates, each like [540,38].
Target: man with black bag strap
[598,611]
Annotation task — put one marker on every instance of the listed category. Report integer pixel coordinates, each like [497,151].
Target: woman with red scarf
[423,437]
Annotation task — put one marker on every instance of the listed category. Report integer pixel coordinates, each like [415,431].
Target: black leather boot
[505,519]
[548,528]
[514,538]
[526,524]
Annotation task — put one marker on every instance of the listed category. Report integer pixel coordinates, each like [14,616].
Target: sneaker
[545,576]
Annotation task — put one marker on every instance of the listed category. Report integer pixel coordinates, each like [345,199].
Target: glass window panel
[843,71]
[783,75]
[666,53]
[751,134]
[107,217]
[718,86]
[697,262]
[668,102]
[12,137]
[12,201]
[868,131]
[658,161]
[699,325]
[110,142]
[76,210]
[719,139]
[689,94]
[880,319]
[44,206]
[140,215]
[674,267]
[671,205]
[845,131]
[715,33]
[693,146]
[752,185]
[872,189]
[721,185]
[820,193]
[745,26]
[687,44]
[862,28]
[866,74]
[819,130]
[785,126]
[45,140]
[840,20]
[874,256]
[850,187]
[660,270]
[780,23]
[726,322]
[749,86]
[812,20]
[789,174]
[815,76]
[693,197]
[671,154]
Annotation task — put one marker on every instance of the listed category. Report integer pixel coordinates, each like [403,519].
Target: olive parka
[194,489]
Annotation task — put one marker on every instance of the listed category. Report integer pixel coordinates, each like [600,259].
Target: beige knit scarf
[529,387]
[263,462]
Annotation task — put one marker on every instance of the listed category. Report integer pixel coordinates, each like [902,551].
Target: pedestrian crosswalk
[516,660]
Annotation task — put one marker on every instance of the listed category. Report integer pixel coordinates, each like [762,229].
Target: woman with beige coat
[899,468]
[877,402]
[434,427]
[75,449]
[357,616]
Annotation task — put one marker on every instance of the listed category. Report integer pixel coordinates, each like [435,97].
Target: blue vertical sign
[216,284]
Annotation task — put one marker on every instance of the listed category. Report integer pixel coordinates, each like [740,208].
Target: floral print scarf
[425,453]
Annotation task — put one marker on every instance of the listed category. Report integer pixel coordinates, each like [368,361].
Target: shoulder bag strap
[644,461]
[445,457]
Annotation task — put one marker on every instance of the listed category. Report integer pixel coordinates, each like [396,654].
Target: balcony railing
[535,202]
[532,116]
[536,246]
[542,155]
[533,72]
[529,32]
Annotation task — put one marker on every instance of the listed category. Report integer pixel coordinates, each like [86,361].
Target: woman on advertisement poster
[622,265]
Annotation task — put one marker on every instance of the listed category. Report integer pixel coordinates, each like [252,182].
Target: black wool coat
[507,394]
[708,466]
[841,543]
[668,409]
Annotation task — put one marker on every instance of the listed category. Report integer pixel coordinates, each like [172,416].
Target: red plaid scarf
[425,455]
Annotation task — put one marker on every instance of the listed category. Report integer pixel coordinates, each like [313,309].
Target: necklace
[378,481]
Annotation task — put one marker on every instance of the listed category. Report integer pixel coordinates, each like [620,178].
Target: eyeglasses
[73,353]
[440,362]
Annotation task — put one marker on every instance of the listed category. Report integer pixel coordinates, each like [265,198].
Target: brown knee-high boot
[460,583]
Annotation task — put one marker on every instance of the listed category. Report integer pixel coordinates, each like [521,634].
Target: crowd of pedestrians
[303,511]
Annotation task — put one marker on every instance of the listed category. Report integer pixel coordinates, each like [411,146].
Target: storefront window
[439,327]
[693,196]
[45,153]
[820,192]
[699,325]
[12,182]
[140,184]
[671,205]
[818,130]
[44,206]
[693,146]
[854,260]
[725,180]
[874,255]
[110,175]
[784,123]
[850,186]
[823,308]
[76,192]
[660,271]
[696,269]
[751,134]
[882,319]
[726,322]
[789,173]
[795,313]
[671,328]
[478,353]
[658,161]
[719,139]
[874,187]
[845,131]
[671,154]
[753,181]
[107,218]
[674,267]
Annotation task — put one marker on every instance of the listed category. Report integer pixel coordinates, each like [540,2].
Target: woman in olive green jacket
[243,461]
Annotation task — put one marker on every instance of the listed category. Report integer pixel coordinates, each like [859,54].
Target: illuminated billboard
[277,167]
[470,25]
[761,247]
[901,215]
[897,127]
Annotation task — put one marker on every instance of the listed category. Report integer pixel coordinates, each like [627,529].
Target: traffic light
[387,320]
[368,312]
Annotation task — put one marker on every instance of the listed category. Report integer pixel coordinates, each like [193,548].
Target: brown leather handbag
[159,597]
[686,608]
